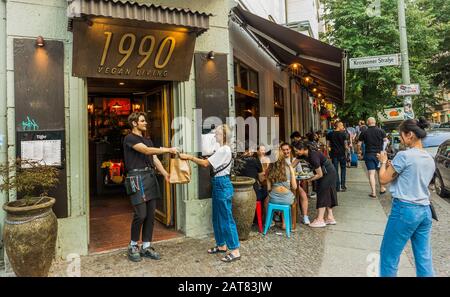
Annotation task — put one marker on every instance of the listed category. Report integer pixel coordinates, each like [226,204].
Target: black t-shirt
[251,169]
[315,159]
[337,143]
[133,158]
[373,139]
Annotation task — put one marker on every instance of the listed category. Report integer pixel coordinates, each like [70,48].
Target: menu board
[45,152]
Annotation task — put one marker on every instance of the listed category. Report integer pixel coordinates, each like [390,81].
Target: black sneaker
[343,188]
[150,253]
[133,253]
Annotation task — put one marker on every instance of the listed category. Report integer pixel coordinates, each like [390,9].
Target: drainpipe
[3,130]
[286,10]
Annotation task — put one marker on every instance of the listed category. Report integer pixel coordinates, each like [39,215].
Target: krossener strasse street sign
[375,61]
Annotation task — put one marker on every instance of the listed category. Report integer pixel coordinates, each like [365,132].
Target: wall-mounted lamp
[40,41]
[314,90]
[319,95]
[121,83]
[211,55]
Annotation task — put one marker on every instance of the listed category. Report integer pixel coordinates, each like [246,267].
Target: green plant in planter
[31,179]
[237,165]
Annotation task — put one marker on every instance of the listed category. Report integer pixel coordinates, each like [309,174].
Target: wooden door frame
[167,117]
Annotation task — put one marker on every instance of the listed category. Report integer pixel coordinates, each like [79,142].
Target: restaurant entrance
[110,102]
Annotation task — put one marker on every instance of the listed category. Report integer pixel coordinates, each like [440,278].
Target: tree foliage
[351,28]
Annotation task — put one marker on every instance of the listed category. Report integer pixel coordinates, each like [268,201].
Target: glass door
[159,116]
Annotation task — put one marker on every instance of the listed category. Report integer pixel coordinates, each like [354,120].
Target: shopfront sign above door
[121,52]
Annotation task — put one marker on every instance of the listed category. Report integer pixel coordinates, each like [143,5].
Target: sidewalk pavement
[352,246]
[349,248]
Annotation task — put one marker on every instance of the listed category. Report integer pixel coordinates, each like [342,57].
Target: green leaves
[353,30]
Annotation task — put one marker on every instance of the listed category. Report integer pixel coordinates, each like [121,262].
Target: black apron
[142,186]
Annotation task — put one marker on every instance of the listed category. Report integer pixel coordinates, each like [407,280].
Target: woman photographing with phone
[410,174]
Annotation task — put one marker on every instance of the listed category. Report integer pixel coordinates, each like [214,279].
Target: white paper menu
[46,152]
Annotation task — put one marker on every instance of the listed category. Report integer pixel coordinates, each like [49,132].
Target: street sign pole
[407,101]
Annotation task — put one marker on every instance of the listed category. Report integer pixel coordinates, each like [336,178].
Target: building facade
[100,60]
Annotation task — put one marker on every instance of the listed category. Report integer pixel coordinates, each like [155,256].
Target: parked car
[442,174]
[444,125]
[434,139]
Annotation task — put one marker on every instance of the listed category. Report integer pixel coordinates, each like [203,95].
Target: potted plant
[244,199]
[30,230]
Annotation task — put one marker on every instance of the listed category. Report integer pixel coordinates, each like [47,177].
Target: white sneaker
[306,220]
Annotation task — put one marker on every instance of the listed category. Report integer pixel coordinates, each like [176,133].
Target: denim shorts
[372,162]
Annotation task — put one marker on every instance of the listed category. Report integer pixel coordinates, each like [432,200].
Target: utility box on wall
[39,105]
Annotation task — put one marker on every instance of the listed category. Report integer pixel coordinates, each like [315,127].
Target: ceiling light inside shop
[121,83]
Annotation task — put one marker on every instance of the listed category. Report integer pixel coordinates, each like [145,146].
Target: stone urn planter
[29,235]
[244,204]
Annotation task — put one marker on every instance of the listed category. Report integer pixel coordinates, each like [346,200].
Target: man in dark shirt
[359,129]
[140,161]
[373,139]
[338,145]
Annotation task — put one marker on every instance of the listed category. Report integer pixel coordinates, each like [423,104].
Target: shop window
[245,80]
[246,92]
[278,102]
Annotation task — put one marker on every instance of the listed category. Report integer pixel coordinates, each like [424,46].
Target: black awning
[324,63]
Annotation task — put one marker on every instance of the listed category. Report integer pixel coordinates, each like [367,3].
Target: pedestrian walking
[359,129]
[337,141]
[410,174]
[325,175]
[373,139]
[142,185]
[225,231]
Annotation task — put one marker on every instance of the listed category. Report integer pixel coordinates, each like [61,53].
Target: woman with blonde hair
[281,182]
[225,231]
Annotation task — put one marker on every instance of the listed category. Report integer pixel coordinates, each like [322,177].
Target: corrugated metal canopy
[325,63]
[137,11]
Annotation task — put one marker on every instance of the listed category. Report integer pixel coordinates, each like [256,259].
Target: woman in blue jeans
[225,231]
[410,173]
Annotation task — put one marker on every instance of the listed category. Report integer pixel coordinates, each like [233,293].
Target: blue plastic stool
[286,213]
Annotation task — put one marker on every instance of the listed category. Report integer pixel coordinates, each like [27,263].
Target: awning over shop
[144,12]
[326,64]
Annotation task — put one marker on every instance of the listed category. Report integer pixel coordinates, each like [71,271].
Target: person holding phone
[410,174]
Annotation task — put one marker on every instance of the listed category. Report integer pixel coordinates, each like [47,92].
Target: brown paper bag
[180,171]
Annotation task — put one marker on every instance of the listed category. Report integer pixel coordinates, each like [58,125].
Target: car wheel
[439,187]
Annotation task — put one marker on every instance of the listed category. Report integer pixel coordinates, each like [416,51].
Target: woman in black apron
[325,174]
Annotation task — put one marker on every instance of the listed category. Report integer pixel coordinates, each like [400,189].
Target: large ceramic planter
[29,236]
[244,204]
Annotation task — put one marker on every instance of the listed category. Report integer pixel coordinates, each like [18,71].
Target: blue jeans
[225,231]
[407,221]
[343,162]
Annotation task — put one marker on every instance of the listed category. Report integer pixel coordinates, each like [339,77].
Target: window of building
[278,102]
[246,92]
